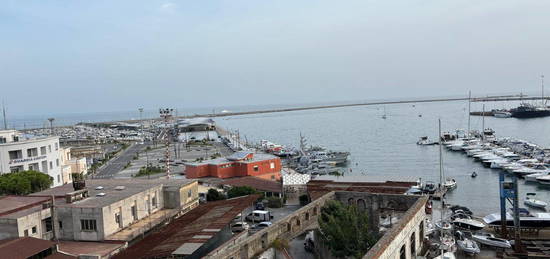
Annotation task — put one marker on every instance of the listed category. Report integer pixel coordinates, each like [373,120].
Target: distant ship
[526,110]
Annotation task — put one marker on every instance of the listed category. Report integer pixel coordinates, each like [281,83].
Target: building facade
[42,154]
[241,163]
[97,212]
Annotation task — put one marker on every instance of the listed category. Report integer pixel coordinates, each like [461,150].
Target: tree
[24,182]
[214,195]
[345,230]
[238,191]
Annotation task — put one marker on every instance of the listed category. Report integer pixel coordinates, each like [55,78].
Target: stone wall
[286,228]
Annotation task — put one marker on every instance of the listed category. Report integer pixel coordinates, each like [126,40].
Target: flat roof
[131,187]
[184,234]
[102,249]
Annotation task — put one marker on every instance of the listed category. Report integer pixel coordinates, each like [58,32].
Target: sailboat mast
[469,110]
[483,124]
[441,172]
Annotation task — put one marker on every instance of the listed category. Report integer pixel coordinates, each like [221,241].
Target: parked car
[259,216]
[239,227]
[238,217]
[262,225]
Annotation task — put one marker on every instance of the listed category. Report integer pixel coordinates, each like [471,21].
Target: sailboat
[445,237]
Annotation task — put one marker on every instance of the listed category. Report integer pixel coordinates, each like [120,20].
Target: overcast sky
[85,56]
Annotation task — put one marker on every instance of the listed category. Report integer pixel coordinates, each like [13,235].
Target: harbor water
[386,148]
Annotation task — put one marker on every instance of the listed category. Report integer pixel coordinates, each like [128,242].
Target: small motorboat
[468,223]
[468,246]
[424,141]
[474,175]
[449,184]
[443,225]
[490,240]
[530,200]
[429,187]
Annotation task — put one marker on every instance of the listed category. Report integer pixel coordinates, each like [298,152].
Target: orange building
[241,163]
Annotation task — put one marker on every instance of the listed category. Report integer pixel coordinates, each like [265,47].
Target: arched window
[307,215]
[361,204]
[350,201]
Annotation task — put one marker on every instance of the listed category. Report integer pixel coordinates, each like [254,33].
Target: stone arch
[361,204]
[315,210]
[307,216]
[288,226]
[351,201]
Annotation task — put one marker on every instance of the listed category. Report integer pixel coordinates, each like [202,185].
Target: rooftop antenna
[51,125]
[4,116]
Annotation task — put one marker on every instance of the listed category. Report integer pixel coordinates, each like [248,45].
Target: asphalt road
[117,164]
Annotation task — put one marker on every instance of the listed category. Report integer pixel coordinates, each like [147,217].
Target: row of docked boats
[312,160]
[518,157]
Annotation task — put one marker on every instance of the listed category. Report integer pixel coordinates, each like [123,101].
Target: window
[16,154]
[134,212]
[421,229]
[272,165]
[32,152]
[49,148]
[15,138]
[51,165]
[56,146]
[26,232]
[15,169]
[34,230]
[57,162]
[402,253]
[154,201]
[272,177]
[189,193]
[256,168]
[88,225]
[48,224]
[2,140]
[60,224]
[33,167]
[58,178]
[43,150]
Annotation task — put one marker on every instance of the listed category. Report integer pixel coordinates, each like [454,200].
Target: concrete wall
[8,228]
[13,228]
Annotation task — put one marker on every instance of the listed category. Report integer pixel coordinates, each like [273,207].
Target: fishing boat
[490,240]
[530,200]
[467,245]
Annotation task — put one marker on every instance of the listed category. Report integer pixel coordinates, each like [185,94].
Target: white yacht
[491,240]
[530,200]
[533,177]
[544,179]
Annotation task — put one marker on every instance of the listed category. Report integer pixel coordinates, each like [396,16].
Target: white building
[42,154]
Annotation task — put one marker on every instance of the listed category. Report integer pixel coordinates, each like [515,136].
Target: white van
[259,216]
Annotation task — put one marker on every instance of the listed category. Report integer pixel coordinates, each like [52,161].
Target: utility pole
[4,116]
[51,125]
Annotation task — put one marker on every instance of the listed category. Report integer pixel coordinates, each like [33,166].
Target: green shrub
[274,202]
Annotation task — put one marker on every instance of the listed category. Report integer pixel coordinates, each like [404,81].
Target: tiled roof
[195,227]
[23,247]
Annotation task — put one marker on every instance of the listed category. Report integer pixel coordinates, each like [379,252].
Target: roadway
[116,164]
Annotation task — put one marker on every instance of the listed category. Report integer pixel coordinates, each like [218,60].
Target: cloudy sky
[83,56]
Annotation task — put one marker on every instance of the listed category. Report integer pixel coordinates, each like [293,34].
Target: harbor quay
[165,189]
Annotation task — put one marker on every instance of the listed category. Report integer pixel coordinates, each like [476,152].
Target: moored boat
[490,240]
